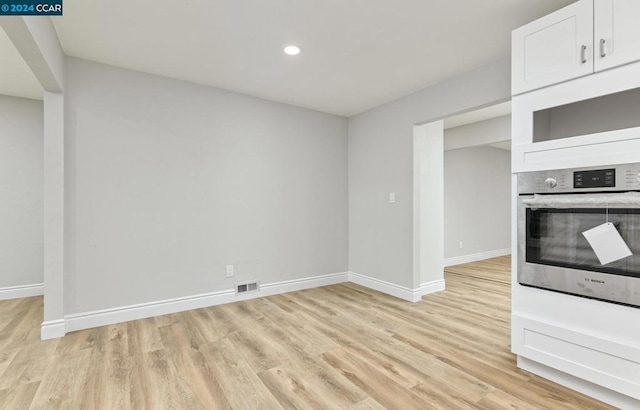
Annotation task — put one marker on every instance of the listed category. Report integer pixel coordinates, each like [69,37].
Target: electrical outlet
[392,197]
[461,244]
[229,271]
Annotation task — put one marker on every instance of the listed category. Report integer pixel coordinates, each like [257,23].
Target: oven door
[554,254]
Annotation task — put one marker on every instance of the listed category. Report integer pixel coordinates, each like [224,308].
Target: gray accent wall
[381,161]
[477,200]
[167,182]
[21,191]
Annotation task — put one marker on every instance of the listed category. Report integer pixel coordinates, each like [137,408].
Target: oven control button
[551,182]
[638,176]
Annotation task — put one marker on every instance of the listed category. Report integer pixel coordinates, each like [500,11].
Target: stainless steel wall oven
[556,207]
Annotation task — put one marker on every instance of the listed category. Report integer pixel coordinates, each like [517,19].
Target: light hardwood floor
[341,346]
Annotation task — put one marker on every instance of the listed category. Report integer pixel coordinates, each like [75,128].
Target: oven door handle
[629,199]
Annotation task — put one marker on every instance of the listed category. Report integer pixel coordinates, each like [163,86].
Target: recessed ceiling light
[292,50]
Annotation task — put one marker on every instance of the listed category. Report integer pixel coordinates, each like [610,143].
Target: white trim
[111,316]
[474,257]
[145,310]
[411,295]
[432,287]
[24,291]
[269,289]
[52,329]
[122,314]
[590,389]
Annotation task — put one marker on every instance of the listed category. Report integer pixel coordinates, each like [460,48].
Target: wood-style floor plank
[336,347]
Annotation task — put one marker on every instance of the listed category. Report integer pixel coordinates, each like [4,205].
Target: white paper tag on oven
[607,243]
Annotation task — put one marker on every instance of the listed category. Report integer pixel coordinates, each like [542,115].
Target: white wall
[428,200]
[477,200]
[478,133]
[21,192]
[381,161]
[168,182]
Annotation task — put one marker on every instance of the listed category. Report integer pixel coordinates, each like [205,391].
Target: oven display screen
[601,178]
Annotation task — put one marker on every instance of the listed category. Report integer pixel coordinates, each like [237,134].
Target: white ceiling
[357,54]
[16,78]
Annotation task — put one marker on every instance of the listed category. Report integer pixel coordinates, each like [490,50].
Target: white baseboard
[474,257]
[25,291]
[52,329]
[300,284]
[432,287]
[122,314]
[145,310]
[404,293]
[590,389]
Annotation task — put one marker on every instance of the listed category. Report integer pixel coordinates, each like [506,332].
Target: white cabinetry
[589,121]
[617,33]
[553,49]
[566,114]
[587,36]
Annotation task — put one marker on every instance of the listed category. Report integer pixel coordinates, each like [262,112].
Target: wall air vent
[247,287]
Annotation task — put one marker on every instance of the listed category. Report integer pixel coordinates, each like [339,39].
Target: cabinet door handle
[583,54]
[602,52]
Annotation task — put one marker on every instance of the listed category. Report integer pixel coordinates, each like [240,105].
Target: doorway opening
[21,187]
[462,191]
[477,185]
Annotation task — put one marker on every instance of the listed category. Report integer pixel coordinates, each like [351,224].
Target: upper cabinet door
[555,48]
[617,32]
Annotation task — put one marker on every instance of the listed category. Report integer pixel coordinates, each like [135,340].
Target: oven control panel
[624,177]
[599,178]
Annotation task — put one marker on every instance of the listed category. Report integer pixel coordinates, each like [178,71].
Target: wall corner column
[54,324]
[428,208]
